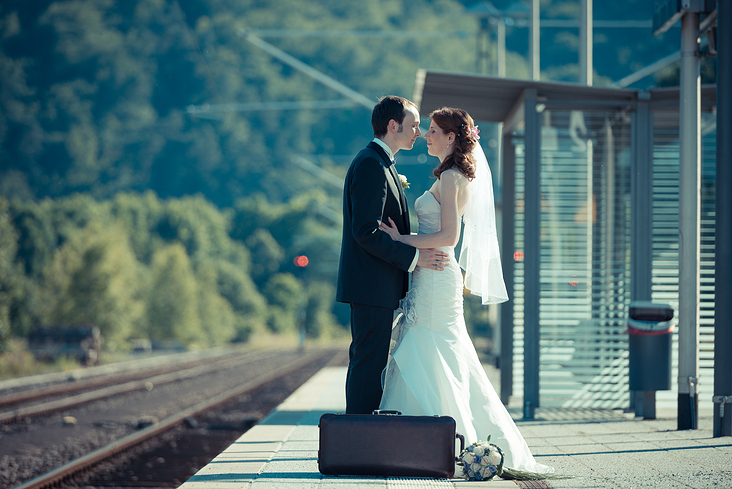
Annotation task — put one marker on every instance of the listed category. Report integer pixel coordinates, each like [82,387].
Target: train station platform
[597,448]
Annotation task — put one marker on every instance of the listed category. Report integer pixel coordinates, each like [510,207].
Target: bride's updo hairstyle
[461,124]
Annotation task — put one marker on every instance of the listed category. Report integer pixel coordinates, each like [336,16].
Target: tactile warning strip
[412,483]
[533,484]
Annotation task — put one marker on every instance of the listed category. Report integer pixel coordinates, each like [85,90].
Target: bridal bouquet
[481,461]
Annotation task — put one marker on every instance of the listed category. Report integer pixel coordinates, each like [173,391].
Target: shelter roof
[492,99]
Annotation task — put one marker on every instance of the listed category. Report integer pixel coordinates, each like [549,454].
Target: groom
[374,270]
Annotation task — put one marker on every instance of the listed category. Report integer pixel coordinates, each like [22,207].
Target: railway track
[95,377]
[268,367]
[114,385]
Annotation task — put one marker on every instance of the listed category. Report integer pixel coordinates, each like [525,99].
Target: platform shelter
[587,183]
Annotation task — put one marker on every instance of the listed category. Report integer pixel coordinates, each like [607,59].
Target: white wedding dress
[434,369]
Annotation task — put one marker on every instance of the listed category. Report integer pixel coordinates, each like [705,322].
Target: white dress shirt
[387,149]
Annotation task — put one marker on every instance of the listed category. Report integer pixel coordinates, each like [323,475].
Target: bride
[433,368]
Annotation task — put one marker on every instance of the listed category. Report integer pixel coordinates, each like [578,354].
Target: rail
[68,470]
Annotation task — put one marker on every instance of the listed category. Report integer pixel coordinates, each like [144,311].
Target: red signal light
[301,261]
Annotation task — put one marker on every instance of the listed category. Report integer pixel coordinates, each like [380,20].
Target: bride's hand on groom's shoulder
[391,230]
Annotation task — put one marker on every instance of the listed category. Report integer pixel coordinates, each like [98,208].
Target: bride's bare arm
[451,185]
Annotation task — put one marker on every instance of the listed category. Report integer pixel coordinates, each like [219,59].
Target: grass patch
[17,361]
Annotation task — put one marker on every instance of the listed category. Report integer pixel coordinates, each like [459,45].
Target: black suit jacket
[373,268]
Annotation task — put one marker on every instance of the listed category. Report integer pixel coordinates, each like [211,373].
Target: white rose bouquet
[482,461]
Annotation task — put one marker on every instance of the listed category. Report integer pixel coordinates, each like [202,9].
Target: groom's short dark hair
[388,108]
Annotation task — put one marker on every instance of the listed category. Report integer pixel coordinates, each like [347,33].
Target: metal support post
[501,47]
[532,252]
[641,195]
[722,415]
[585,43]
[508,246]
[483,47]
[689,222]
[534,41]
[641,201]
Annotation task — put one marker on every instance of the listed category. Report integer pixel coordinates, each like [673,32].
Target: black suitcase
[387,444]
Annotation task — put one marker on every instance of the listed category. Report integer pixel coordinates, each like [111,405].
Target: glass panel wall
[585,254]
[666,240]
[585,258]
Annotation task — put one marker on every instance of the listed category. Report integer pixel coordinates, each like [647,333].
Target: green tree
[35,244]
[139,215]
[100,96]
[173,299]
[198,225]
[320,321]
[250,307]
[37,238]
[285,296]
[267,255]
[276,233]
[252,213]
[71,214]
[218,319]
[94,279]
[11,275]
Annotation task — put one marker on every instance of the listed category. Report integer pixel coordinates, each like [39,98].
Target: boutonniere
[403,180]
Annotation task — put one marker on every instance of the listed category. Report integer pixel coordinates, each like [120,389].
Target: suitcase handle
[462,445]
[387,412]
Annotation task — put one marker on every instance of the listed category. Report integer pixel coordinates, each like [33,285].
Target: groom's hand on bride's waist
[434,259]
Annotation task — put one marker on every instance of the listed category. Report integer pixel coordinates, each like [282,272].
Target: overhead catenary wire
[308,70]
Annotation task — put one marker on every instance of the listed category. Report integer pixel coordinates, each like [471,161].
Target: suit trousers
[369,350]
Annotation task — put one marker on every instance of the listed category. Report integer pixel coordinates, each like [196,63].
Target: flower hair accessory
[474,131]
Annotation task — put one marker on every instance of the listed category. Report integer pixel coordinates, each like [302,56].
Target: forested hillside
[180,269]
[149,153]
[95,92]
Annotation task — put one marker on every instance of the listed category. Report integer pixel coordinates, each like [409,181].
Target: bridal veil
[479,254]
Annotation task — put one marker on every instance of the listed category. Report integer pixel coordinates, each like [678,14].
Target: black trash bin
[649,350]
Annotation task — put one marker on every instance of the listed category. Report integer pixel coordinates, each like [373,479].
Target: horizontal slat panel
[585,268]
